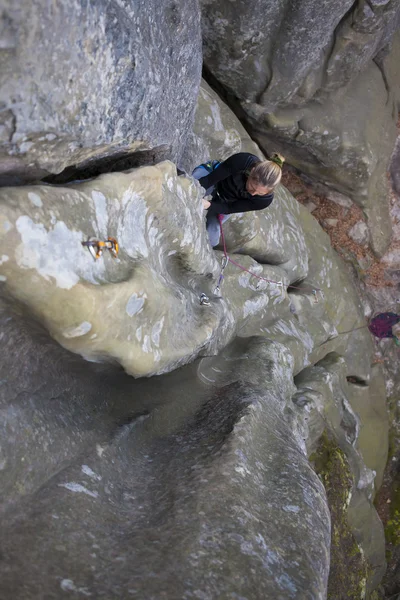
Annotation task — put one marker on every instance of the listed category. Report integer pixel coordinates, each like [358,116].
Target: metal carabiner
[112,246]
[96,247]
[217,291]
[279,284]
[204,300]
[315,292]
[95,251]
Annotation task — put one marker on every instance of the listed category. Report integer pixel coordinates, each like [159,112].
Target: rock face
[184,490]
[359,233]
[213,471]
[193,483]
[319,82]
[84,81]
[142,309]
[228,135]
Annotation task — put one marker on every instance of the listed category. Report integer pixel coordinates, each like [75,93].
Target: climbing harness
[279,284]
[96,247]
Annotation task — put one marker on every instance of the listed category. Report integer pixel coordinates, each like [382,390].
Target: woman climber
[241,183]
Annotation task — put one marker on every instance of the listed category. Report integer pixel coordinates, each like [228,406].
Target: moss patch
[349,569]
[387,503]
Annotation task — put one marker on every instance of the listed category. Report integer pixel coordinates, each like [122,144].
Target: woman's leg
[214,230]
[200,172]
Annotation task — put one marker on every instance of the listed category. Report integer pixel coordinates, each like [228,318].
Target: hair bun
[278,159]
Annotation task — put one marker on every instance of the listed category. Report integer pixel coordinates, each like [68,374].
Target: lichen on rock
[349,569]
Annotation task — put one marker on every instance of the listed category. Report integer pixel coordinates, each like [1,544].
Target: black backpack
[211,165]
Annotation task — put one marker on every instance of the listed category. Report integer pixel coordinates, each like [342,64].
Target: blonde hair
[268,173]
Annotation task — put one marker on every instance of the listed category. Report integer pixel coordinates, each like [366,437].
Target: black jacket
[230,194]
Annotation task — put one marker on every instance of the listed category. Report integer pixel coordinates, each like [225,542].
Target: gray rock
[224,466]
[364,262]
[339,199]
[395,167]
[359,233]
[298,79]
[310,206]
[115,495]
[164,486]
[331,222]
[344,411]
[256,50]
[81,82]
[392,258]
[217,132]
[393,275]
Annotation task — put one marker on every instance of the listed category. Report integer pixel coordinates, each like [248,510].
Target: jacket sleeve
[230,166]
[222,208]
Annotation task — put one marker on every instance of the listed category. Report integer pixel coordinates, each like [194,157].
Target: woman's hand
[206,204]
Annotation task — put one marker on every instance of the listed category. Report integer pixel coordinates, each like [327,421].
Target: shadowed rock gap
[121,161]
[355,380]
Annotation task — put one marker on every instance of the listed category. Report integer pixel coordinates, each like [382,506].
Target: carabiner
[217,291]
[204,300]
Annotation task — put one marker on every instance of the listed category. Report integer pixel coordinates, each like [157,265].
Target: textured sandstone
[194,483]
[82,81]
[318,82]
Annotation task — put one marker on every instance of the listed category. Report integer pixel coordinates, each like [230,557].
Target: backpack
[211,165]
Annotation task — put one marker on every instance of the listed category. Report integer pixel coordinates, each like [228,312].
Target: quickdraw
[217,289]
[96,247]
[315,294]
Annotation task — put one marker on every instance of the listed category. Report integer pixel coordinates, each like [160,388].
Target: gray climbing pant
[213,228]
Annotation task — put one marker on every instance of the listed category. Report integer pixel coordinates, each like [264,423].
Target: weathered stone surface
[310,206]
[81,81]
[341,145]
[369,402]
[338,198]
[323,388]
[392,258]
[257,49]
[319,83]
[186,490]
[194,483]
[42,231]
[158,221]
[359,233]
[395,167]
[331,222]
[217,133]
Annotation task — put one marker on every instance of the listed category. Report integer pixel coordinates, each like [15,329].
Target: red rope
[251,273]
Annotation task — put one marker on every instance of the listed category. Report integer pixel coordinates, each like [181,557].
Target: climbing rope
[351,330]
[227,259]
